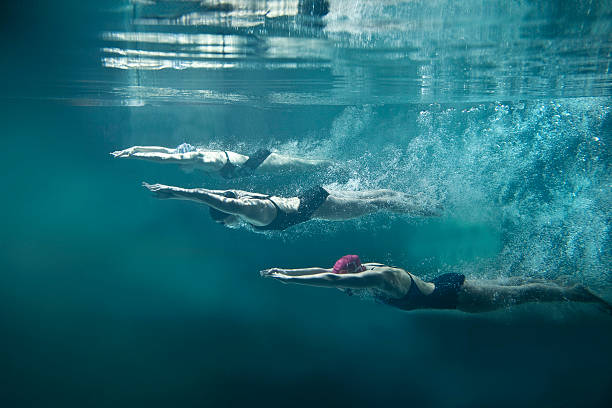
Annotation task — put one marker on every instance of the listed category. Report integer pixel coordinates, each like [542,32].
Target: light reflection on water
[311,52]
[354,52]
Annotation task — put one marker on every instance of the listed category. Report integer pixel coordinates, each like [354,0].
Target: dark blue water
[109,297]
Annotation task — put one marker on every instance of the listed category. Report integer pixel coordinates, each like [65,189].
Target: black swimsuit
[231,170]
[444,295]
[310,201]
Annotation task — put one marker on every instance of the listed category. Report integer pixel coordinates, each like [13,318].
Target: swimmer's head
[349,264]
[185,148]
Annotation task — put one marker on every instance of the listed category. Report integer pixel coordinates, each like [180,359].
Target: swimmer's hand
[123,153]
[268,273]
[159,190]
[275,273]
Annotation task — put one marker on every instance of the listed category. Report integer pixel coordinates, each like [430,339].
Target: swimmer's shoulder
[378,265]
[384,269]
[375,266]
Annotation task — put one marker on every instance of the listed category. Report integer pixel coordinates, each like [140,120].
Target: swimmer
[265,212]
[227,164]
[401,289]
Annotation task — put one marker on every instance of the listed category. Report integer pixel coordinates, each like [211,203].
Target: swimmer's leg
[475,296]
[365,194]
[337,208]
[277,163]
[514,281]
[342,207]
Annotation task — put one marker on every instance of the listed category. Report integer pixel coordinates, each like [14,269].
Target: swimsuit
[231,170]
[444,295]
[310,201]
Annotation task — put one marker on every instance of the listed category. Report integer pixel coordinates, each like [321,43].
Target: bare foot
[581,293]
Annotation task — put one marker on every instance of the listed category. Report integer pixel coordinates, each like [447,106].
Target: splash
[538,171]
[535,173]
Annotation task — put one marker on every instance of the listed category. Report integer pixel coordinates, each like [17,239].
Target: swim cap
[185,148]
[348,264]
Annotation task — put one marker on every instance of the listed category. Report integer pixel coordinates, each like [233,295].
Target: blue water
[108,297]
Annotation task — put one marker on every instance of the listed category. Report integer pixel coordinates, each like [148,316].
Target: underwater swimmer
[265,212]
[401,289]
[226,163]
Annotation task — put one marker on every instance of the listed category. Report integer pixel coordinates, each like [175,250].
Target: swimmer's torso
[398,285]
[264,207]
[212,160]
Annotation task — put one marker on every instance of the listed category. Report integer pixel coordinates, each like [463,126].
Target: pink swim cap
[348,264]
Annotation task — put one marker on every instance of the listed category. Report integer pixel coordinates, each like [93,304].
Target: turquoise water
[109,297]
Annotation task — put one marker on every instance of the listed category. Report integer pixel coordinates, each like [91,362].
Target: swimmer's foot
[581,293]
[159,190]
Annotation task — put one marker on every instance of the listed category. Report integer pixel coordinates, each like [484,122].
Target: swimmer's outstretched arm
[212,198]
[142,149]
[294,272]
[168,157]
[362,280]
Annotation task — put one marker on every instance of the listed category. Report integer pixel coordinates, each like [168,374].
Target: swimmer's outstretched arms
[267,212]
[226,163]
[401,289]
